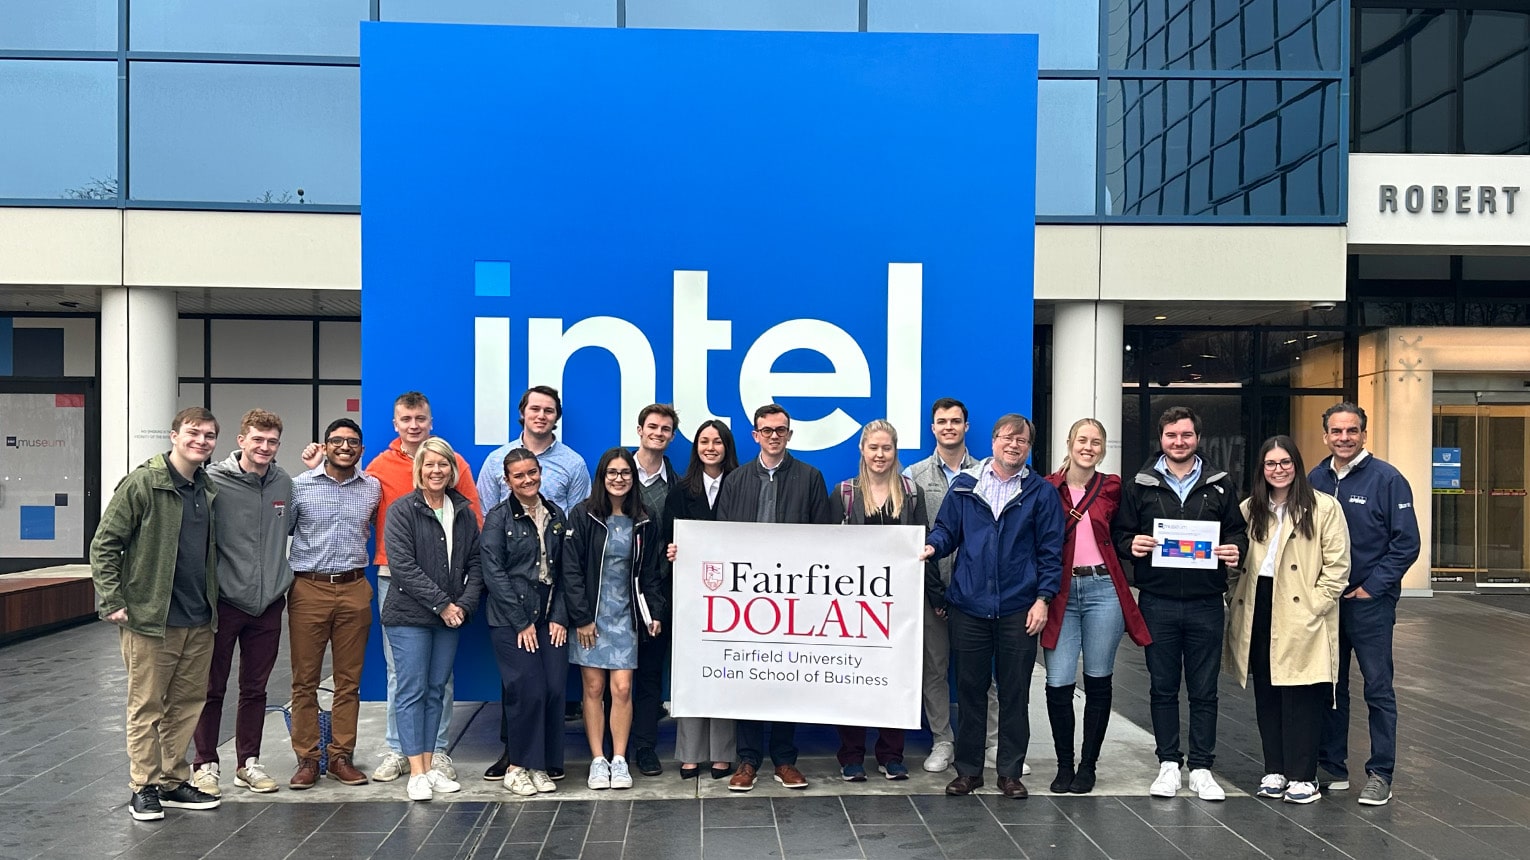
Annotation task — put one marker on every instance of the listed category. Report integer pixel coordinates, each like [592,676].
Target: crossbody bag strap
[1076,512]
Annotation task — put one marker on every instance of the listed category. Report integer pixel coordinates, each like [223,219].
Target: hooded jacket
[253,524]
[1005,564]
[132,556]
[1147,497]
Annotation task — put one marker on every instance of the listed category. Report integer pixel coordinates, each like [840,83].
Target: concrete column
[138,379]
[1087,342]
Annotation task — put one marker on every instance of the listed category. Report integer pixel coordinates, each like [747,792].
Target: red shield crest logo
[712,575]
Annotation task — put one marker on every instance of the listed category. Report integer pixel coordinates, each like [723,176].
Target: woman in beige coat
[1282,625]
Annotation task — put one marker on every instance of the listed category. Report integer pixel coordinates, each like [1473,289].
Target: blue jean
[1187,639]
[423,658]
[1365,628]
[1092,621]
[390,736]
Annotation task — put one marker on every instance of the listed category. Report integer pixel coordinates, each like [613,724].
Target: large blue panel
[805,173]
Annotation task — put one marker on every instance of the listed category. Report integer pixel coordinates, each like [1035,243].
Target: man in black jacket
[1183,606]
[775,487]
[656,477]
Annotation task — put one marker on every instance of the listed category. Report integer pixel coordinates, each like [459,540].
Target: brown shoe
[307,774]
[1012,787]
[964,785]
[790,776]
[743,780]
[340,768]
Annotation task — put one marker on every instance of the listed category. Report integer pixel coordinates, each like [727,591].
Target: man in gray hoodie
[250,516]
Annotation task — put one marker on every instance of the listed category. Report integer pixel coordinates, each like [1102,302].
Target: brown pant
[340,616]
[166,687]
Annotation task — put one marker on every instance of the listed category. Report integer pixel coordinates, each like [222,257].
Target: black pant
[648,690]
[1187,639]
[751,742]
[999,651]
[531,686]
[1290,717]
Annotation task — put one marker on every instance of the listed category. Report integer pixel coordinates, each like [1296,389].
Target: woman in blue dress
[612,585]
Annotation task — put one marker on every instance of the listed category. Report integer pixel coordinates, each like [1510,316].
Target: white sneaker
[392,766]
[442,763]
[1205,785]
[205,778]
[441,783]
[621,776]
[1025,770]
[254,777]
[518,780]
[418,787]
[543,782]
[600,774]
[940,757]
[1273,786]
[1167,783]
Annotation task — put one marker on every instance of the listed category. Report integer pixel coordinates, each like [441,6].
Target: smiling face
[1087,446]
[435,472]
[194,441]
[618,478]
[1011,445]
[343,448]
[1279,470]
[540,414]
[950,428]
[257,447]
[656,432]
[412,423]
[525,480]
[1179,440]
[1344,437]
[878,452]
[710,448]
[771,432]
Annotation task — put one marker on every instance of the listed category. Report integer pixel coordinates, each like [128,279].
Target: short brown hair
[193,415]
[260,419]
[771,409]
[663,409]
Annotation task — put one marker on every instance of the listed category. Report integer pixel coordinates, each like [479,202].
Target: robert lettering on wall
[1449,199]
[798,622]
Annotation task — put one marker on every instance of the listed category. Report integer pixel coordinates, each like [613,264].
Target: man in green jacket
[154,562]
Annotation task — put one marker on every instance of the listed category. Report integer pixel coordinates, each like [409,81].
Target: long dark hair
[600,501]
[692,480]
[1300,500]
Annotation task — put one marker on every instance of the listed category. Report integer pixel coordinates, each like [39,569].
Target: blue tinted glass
[1069,31]
[61,129]
[1406,83]
[61,25]
[1291,35]
[1066,123]
[266,27]
[244,133]
[530,13]
[745,14]
[1207,148]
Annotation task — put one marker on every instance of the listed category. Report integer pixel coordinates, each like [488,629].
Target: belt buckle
[334,578]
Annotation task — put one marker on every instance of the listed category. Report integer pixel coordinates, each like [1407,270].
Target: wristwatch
[1046,598]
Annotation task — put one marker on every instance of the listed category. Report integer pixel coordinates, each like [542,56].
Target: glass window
[267,27]
[245,133]
[1303,359]
[745,14]
[531,13]
[61,129]
[1301,418]
[1069,32]
[1197,357]
[1067,118]
[1405,80]
[58,25]
[1495,91]
[1241,148]
[1289,35]
[1226,423]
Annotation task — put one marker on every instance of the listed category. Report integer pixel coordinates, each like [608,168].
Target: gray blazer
[930,478]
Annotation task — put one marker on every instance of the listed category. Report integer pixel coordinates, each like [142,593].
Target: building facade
[1256,209]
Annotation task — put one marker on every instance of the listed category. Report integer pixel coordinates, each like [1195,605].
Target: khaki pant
[166,687]
[337,616]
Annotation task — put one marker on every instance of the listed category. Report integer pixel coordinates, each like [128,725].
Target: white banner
[800,623]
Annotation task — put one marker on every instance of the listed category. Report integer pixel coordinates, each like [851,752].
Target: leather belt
[340,578]
[1092,570]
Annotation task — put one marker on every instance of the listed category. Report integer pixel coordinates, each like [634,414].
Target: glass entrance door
[1479,497]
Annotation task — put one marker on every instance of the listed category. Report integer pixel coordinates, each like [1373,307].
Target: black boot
[1060,715]
[1097,694]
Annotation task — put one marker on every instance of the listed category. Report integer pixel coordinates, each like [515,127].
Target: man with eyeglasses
[775,487]
[1184,607]
[1007,523]
[330,605]
[1384,542]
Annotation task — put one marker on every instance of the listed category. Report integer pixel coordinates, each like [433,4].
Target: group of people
[192,560]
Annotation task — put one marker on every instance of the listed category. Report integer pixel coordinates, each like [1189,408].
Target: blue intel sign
[840,223]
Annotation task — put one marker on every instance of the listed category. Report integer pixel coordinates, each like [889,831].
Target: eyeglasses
[619,474]
[1014,439]
[773,431]
[342,442]
[1273,465]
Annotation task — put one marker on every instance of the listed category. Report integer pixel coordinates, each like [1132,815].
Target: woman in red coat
[1091,610]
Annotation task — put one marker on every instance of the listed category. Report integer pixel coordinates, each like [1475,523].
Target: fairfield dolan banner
[804,623]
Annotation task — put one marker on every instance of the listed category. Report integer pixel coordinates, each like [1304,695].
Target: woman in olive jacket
[528,624]
[1282,625]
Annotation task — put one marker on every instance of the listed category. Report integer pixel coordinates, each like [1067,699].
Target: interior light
[1160,317]
[1207,355]
[1289,342]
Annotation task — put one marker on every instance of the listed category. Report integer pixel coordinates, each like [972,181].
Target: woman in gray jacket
[432,542]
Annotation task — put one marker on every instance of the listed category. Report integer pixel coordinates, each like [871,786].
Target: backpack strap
[847,494]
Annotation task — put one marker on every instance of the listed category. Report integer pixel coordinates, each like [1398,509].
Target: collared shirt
[1343,473]
[1180,486]
[998,491]
[648,478]
[565,477]
[330,520]
[712,485]
[188,595]
[945,469]
[1277,529]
